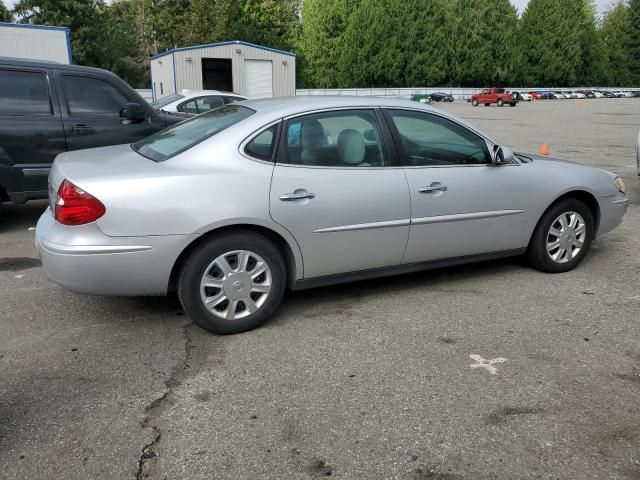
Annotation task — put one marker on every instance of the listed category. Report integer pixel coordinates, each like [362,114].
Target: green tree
[273,23]
[483,42]
[321,41]
[614,34]
[634,40]
[5,14]
[83,17]
[551,42]
[593,69]
[371,54]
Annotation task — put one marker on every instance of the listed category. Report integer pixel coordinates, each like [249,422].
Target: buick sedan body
[234,206]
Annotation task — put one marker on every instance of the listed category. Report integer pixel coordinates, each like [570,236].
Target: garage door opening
[216,74]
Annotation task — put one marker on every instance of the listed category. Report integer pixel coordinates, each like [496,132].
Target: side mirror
[502,155]
[133,113]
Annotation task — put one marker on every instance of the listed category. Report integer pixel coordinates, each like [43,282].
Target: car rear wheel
[513,104]
[562,238]
[232,283]
[500,102]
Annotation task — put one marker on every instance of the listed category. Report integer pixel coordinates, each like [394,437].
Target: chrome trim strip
[364,226]
[91,249]
[36,172]
[464,216]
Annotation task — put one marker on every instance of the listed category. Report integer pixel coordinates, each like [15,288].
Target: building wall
[35,42]
[162,76]
[189,73]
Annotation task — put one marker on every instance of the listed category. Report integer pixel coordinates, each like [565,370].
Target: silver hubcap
[236,284]
[566,237]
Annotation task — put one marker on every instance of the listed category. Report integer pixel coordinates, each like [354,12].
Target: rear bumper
[84,260]
[612,210]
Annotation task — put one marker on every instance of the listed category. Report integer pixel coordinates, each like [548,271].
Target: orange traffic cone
[544,149]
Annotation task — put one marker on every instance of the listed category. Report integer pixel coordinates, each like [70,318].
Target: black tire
[474,102]
[512,104]
[198,261]
[487,104]
[537,255]
[500,102]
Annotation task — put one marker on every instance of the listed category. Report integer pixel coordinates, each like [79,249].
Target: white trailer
[35,42]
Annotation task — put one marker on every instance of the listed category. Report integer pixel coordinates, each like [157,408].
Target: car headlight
[619,184]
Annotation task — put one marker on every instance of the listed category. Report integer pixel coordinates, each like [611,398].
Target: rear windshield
[163,102]
[176,139]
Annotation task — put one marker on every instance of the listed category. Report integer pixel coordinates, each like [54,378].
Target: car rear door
[461,204]
[91,112]
[31,133]
[337,187]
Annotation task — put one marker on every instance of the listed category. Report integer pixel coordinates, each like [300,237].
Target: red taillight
[74,206]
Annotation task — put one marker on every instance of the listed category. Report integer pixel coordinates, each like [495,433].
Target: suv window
[91,96]
[201,105]
[23,93]
[261,146]
[182,136]
[433,140]
[499,90]
[346,138]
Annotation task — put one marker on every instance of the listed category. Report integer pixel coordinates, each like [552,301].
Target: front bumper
[612,210]
[85,260]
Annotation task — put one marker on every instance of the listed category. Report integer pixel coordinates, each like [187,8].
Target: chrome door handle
[301,195]
[433,188]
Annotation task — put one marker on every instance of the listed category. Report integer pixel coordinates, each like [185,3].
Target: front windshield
[163,102]
[174,140]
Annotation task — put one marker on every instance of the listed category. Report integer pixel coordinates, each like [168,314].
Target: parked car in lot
[48,108]
[488,96]
[194,102]
[521,96]
[234,206]
[441,97]
[536,95]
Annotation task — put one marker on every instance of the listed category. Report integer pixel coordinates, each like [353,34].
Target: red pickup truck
[493,95]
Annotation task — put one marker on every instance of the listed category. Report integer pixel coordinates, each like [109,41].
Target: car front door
[338,189]
[92,119]
[31,132]
[461,203]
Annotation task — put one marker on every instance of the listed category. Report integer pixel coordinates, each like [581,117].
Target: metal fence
[458,93]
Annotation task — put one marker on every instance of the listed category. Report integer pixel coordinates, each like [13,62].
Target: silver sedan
[234,206]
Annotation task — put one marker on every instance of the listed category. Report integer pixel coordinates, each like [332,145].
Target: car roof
[197,93]
[285,106]
[22,62]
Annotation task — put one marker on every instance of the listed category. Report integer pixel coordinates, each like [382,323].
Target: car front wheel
[232,283]
[474,102]
[562,238]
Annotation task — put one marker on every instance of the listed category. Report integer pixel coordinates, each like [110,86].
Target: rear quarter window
[23,93]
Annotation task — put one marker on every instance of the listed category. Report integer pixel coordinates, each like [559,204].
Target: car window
[433,140]
[201,105]
[233,99]
[163,102]
[23,93]
[262,145]
[180,137]
[189,107]
[348,138]
[499,90]
[92,96]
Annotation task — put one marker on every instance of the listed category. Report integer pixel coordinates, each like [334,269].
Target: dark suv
[47,108]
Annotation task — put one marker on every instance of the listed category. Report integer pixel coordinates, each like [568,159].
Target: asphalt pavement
[486,371]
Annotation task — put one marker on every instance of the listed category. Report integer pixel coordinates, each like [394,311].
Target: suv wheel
[474,102]
[562,238]
[232,283]
[500,102]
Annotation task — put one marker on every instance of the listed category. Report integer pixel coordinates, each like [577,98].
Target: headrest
[351,147]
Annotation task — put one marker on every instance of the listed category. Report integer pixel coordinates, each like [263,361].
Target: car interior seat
[351,148]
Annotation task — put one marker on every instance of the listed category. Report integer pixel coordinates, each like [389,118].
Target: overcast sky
[521,4]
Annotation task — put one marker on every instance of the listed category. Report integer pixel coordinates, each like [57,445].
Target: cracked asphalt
[369,380]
